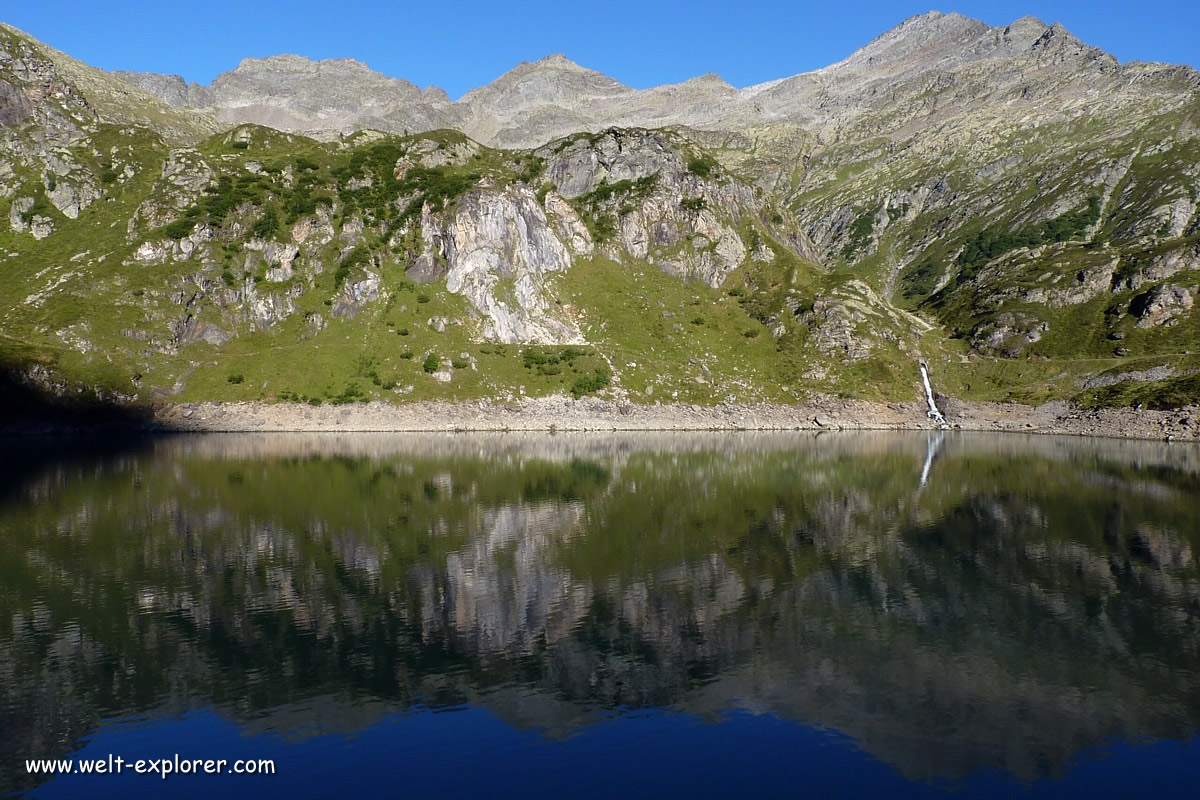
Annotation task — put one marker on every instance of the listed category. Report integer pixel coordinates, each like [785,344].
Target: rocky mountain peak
[553,78]
[303,65]
[710,79]
[560,61]
[288,67]
[917,41]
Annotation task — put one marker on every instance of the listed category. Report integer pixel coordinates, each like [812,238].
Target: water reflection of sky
[468,752]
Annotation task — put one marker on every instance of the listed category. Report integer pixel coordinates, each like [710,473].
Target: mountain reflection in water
[950,603]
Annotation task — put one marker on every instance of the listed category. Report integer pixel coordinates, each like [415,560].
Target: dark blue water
[898,615]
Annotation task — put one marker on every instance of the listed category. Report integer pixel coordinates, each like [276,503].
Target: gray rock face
[297,94]
[500,251]
[194,331]
[1161,305]
[15,107]
[1008,333]
[18,214]
[71,197]
[682,222]
[171,89]
[500,248]
[355,295]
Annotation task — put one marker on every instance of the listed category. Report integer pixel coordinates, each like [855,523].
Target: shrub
[697,320]
[693,204]
[602,226]
[431,363]
[535,357]
[751,333]
[587,384]
[407,355]
[266,225]
[702,165]
[533,167]
[236,377]
[403,331]
[422,298]
[460,363]
[179,228]
[355,258]
[638,189]
[436,186]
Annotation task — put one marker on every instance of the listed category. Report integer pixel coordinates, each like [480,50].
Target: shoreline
[593,414]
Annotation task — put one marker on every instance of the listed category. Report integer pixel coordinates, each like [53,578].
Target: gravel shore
[593,414]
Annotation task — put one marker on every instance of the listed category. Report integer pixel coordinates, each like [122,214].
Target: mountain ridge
[954,36]
[1006,204]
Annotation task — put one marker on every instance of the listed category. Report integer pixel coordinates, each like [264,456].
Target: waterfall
[933,412]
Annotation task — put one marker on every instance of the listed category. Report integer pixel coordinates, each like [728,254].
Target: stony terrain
[1007,204]
[594,414]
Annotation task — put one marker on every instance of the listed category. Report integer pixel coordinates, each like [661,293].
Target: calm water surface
[692,615]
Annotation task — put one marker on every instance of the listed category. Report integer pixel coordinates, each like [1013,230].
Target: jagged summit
[536,101]
[290,62]
[552,78]
[560,60]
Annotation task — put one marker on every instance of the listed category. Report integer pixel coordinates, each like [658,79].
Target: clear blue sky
[459,45]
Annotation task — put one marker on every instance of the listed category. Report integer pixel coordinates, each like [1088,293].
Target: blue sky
[459,45]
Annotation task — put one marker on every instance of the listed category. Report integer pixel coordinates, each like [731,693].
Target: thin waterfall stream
[933,413]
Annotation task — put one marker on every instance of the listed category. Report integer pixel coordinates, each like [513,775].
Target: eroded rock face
[261,310]
[834,326]
[568,226]
[1162,305]
[72,197]
[171,89]
[355,295]
[642,187]
[185,176]
[1008,333]
[500,251]
[15,107]
[1160,268]
[18,214]
[194,331]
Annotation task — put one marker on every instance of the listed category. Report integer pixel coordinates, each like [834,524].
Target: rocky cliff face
[953,191]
